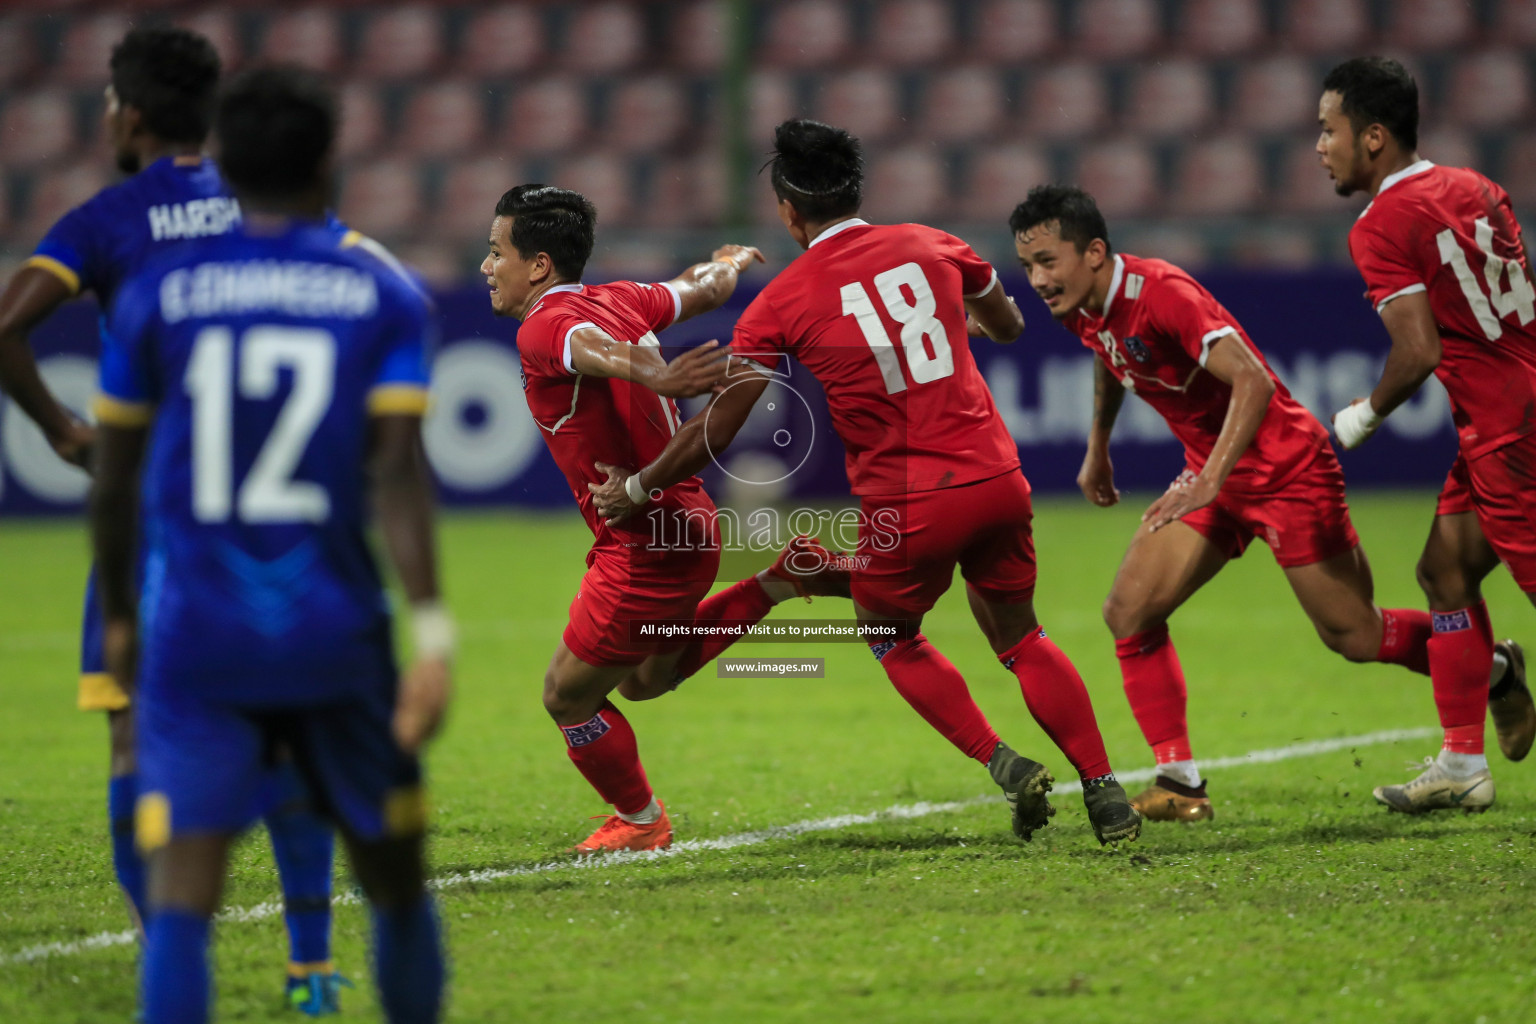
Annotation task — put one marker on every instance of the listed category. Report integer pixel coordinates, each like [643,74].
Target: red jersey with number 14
[877,314]
[1155,333]
[1450,232]
[601,419]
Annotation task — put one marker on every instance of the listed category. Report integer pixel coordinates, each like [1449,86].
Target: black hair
[1076,215]
[551,220]
[1378,90]
[818,168]
[171,76]
[276,126]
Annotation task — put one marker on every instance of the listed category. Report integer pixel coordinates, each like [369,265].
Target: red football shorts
[618,595]
[914,542]
[1503,485]
[1305,521]
[1456,496]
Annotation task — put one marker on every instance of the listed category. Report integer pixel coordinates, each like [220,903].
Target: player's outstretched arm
[696,372]
[402,502]
[1415,353]
[706,286]
[30,297]
[114,528]
[1233,363]
[696,442]
[995,315]
[1097,476]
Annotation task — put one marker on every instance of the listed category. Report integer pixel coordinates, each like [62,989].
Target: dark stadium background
[1192,121]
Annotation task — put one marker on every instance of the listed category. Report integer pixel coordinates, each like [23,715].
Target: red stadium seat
[1219,177]
[865,102]
[605,180]
[382,199]
[468,201]
[1490,90]
[19,51]
[38,128]
[310,36]
[1276,94]
[1305,186]
[363,126]
[1420,25]
[698,37]
[690,192]
[999,179]
[963,105]
[908,33]
[806,34]
[1221,28]
[646,114]
[1117,28]
[1288,248]
[1451,147]
[771,101]
[440,262]
[906,185]
[508,39]
[1013,30]
[1173,97]
[1518,174]
[86,49]
[546,116]
[1065,101]
[1121,177]
[603,38]
[1318,26]
[221,30]
[1179,246]
[1514,22]
[57,192]
[443,119]
[400,43]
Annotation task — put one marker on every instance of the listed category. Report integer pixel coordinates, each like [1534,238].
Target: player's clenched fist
[739,256]
[422,703]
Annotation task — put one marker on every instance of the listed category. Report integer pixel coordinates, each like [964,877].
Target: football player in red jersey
[1446,269]
[877,313]
[1256,464]
[602,396]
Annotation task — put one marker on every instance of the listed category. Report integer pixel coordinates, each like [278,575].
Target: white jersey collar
[1407,172]
[852,222]
[1114,286]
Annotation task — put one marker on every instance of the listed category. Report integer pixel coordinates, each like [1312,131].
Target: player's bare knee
[1126,619]
[1357,644]
[1445,585]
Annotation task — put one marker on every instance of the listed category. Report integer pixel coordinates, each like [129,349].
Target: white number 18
[917,325]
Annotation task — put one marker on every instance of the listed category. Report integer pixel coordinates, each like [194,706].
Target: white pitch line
[273,908]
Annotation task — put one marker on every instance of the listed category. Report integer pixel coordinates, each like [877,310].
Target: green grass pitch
[1302,901]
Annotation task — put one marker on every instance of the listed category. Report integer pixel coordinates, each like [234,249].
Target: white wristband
[1354,423]
[433,631]
[637,495]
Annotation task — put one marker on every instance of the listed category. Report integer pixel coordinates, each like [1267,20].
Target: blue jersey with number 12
[259,359]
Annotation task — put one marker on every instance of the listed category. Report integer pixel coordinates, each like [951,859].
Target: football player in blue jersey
[158,110]
[261,391]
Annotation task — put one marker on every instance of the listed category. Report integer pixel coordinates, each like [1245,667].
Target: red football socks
[603,749]
[937,691]
[1154,685]
[1460,659]
[746,601]
[1405,634]
[1058,700]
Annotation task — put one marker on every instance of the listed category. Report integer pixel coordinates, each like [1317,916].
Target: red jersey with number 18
[877,314]
[1450,232]
[599,419]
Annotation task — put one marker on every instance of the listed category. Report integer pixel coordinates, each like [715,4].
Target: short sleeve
[401,386]
[658,305]
[1387,265]
[1186,314]
[544,343]
[977,276]
[759,336]
[70,250]
[129,386]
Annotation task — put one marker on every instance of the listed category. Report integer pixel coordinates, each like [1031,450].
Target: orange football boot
[618,834]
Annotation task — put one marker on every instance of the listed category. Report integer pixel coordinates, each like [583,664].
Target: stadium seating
[1191,119]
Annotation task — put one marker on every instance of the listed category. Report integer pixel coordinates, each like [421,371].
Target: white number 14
[1518,298]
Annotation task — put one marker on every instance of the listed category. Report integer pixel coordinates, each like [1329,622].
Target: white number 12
[917,323]
[269,493]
